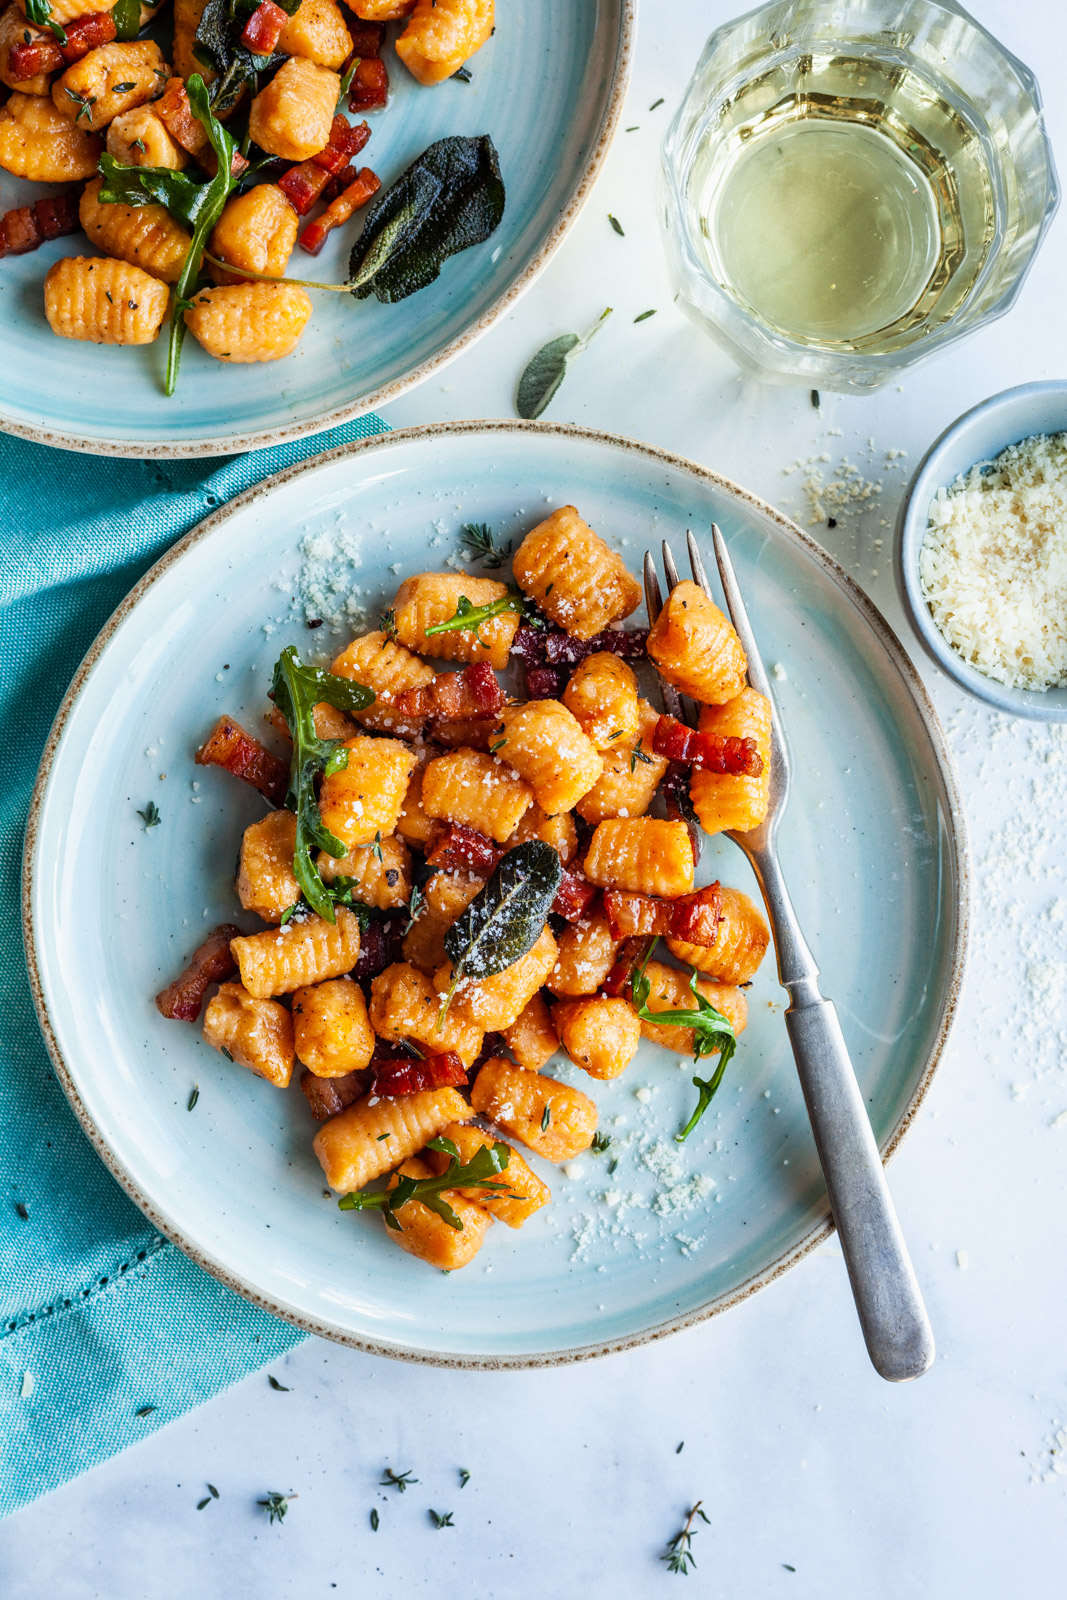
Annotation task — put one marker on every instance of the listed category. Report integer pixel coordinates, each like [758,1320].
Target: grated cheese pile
[993,564]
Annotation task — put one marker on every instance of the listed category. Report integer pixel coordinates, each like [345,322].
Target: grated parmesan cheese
[993,564]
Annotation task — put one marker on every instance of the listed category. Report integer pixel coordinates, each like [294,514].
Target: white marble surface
[803,1457]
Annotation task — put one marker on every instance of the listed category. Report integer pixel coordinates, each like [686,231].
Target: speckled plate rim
[956,845]
[239,444]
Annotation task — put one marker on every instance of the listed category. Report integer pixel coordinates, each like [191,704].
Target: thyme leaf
[150,816]
[281,1387]
[441,1519]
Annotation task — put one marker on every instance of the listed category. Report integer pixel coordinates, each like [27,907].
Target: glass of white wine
[848,187]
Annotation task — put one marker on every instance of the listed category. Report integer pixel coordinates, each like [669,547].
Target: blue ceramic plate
[872,842]
[548,88]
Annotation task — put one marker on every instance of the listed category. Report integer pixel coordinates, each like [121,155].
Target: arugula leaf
[548,368]
[38,11]
[126,15]
[480,1172]
[469,616]
[711,1031]
[505,919]
[296,690]
[218,192]
[450,198]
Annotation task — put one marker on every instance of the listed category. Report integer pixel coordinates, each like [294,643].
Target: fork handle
[895,1326]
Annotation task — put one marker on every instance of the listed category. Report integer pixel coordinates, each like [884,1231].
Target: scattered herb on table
[212,1494]
[656,103]
[464,1477]
[21,1210]
[679,1552]
[478,544]
[548,368]
[150,816]
[144,1411]
[374,1519]
[816,399]
[617,225]
[276,1505]
[711,1031]
[680,1448]
[482,1171]
[787,1567]
[296,690]
[281,1387]
[505,919]
[463,75]
[442,1519]
[194,1097]
[645,315]
[396,1480]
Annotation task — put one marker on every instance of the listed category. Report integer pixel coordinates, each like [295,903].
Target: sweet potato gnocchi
[446,925]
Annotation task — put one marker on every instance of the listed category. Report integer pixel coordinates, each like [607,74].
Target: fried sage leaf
[505,920]
[296,691]
[450,198]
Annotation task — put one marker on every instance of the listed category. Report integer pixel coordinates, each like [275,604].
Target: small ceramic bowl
[979,435]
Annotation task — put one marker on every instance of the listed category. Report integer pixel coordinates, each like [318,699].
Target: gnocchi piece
[558,831]
[740,945]
[442,35]
[549,1117]
[473,733]
[494,1003]
[473,787]
[602,695]
[631,776]
[695,647]
[364,798]
[139,138]
[15,28]
[39,143]
[62,11]
[331,1030]
[432,597]
[724,802]
[600,1035]
[145,236]
[329,722]
[317,31]
[574,578]
[526,1192]
[371,1137]
[545,745]
[586,956]
[104,301]
[413,824]
[306,950]
[257,1034]
[245,322]
[256,233]
[643,855]
[425,1234]
[532,1037]
[111,79]
[382,10]
[266,883]
[670,991]
[446,896]
[187,15]
[292,115]
[405,1005]
[382,881]
[379,663]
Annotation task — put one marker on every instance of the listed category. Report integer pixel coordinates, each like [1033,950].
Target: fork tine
[653,593]
[670,566]
[735,605]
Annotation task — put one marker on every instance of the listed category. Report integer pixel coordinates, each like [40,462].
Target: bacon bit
[464,849]
[367,40]
[211,963]
[410,1076]
[45,54]
[627,958]
[176,114]
[340,211]
[379,945]
[471,694]
[692,917]
[545,683]
[228,745]
[328,1096]
[345,141]
[564,650]
[27,227]
[739,758]
[529,645]
[493,1044]
[264,28]
[303,185]
[28,58]
[369,89]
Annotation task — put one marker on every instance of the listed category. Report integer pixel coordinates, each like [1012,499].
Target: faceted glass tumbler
[963,76]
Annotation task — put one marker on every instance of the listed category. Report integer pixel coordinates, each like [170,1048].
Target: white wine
[849,208]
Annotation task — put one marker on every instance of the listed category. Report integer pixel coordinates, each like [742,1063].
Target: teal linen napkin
[106,1330]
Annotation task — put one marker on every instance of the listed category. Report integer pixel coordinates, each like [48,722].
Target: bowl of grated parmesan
[981,551]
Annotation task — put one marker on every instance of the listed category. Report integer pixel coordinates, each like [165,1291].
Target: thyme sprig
[478,544]
[150,816]
[396,1480]
[276,1505]
[679,1552]
[480,1172]
[711,1031]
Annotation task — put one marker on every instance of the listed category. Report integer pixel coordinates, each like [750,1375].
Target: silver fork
[891,1311]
